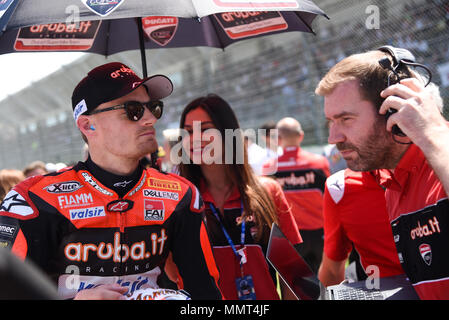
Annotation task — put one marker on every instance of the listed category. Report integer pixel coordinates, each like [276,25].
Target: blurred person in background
[257,155]
[35,168]
[8,179]
[302,175]
[240,206]
[271,139]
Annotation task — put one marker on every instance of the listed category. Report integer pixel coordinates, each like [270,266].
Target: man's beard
[377,151]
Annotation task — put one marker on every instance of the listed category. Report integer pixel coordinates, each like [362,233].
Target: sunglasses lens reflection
[135,109]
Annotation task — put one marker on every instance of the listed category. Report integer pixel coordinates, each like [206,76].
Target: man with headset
[108,227]
[382,117]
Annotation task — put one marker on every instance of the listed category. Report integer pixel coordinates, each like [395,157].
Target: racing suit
[83,233]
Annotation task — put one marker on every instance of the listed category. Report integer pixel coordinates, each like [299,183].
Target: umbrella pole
[142,48]
[153,160]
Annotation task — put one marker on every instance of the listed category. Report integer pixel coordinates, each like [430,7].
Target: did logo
[426,253]
[102,7]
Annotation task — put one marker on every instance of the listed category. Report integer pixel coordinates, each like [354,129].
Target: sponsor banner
[57,37]
[154,210]
[421,239]
[164,184]
[240,25]
[71,283]
[4,6]
[259,4]
[77,200]
[161,194]
[86,213]
[102,7]
[304,179]
[160,29]
[80,108]
[94,184]
[8,231]
[157,294]
[92,253]
[63,187]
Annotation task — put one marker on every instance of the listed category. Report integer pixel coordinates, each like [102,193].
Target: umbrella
[107,27]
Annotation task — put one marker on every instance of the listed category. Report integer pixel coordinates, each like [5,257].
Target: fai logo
[160,29]
[426,253]
[154,210]
[64,187]
[102,7]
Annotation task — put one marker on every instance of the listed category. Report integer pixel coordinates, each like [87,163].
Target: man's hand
[331,272]
[103,292]
[417,114]
[420,119]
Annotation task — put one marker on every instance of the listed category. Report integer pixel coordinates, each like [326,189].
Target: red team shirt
[355,213]
[418,209]
[302,176]
[231,221]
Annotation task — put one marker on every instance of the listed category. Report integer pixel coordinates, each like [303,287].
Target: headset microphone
[398,71]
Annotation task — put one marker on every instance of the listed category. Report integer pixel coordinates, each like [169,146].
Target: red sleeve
[336,245]
[286,221]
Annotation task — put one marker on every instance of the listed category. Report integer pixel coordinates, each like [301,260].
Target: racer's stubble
[376,151]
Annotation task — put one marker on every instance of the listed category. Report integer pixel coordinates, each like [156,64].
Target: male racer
[107,227]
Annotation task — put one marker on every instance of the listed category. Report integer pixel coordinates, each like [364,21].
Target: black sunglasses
[135,109]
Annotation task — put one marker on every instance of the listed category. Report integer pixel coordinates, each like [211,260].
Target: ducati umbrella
[107,27]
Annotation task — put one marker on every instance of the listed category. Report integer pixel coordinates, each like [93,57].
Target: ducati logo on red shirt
[426,253]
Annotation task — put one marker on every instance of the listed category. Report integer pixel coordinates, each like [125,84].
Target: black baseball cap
[112,81]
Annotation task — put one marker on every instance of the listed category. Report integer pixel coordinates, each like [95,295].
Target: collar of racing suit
[120,184]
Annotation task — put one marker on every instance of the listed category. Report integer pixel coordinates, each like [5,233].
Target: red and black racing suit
[69,224]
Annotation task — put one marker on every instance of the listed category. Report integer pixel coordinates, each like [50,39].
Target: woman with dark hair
[240,206]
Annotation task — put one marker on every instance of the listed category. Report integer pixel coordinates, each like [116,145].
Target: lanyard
[242,234]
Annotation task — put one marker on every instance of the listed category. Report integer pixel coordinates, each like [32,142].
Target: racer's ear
[84,125]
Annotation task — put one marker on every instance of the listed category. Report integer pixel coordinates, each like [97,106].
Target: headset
[399,69]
